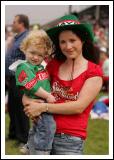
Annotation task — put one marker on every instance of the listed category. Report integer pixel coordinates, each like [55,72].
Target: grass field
[96,144]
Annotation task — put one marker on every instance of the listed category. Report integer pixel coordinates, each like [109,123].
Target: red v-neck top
[64,90]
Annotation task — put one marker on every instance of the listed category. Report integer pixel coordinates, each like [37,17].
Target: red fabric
[106,78]
[29,85]
[106,101]
[42,75]
[69,90]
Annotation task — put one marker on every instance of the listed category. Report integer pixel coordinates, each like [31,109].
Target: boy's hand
[50,98]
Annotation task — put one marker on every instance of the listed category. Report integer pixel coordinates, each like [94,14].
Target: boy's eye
[32,53]
[40,56]
[36,53]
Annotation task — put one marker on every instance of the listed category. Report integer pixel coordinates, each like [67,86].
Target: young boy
[33,79]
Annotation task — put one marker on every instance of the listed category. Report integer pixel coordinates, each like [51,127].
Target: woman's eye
[72,40]
[62,42]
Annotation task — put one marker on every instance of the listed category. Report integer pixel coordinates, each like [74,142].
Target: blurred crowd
[101,42]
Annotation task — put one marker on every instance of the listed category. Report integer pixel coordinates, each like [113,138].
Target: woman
[75,81]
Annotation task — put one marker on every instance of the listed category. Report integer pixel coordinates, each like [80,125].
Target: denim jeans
[41,135]
[67,145]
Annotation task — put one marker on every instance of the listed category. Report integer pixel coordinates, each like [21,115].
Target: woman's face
[70,44]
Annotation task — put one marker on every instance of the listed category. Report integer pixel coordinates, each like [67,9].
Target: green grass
[95,144]
[11,146]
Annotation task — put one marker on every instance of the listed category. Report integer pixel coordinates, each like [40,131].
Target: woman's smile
[70,44]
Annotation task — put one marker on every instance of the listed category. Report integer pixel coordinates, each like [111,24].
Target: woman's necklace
[72,71]
[69,88]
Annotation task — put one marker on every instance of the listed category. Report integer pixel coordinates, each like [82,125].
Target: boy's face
[35,56]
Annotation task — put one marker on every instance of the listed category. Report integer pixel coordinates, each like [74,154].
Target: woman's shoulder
[92,65]
[54,61]
[94,70]
[53,65]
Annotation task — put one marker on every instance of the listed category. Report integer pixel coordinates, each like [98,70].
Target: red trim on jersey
[30,84]
[42,75]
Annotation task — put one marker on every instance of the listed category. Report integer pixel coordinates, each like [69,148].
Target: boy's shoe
[24,149]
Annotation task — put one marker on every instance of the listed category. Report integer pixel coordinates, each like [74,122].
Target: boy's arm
[44,94]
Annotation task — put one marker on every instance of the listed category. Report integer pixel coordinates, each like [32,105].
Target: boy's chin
[34,63]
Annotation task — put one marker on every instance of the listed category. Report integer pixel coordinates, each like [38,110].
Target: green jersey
[31,77]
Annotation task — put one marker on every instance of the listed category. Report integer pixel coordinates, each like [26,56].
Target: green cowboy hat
[71,22]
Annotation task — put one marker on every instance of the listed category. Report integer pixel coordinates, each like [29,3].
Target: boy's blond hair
[37,39]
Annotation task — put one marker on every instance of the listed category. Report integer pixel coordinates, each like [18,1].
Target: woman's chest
[67,90]
[70,72]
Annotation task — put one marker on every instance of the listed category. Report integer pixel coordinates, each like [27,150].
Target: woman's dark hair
[89,50]
[23,19]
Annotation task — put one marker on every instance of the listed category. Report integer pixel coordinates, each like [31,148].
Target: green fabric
[87,27]
[30,71]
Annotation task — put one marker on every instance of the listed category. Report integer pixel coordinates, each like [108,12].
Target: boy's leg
[24,149]
[29,146]
[30,142]
[44,132]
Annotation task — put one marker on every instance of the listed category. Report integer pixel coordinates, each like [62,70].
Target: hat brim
[84,27]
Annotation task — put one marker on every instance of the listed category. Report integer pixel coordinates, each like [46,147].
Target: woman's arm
[27,100]
[87,94]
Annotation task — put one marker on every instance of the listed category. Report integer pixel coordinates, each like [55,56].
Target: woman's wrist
[45,107]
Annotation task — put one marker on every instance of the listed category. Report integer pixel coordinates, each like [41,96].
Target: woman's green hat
[71,22]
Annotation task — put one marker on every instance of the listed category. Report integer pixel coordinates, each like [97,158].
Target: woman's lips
[69,52]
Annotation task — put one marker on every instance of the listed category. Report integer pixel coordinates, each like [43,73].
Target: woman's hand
[27,100]
[34,109]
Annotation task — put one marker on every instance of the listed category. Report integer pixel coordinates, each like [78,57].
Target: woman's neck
[78,61]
